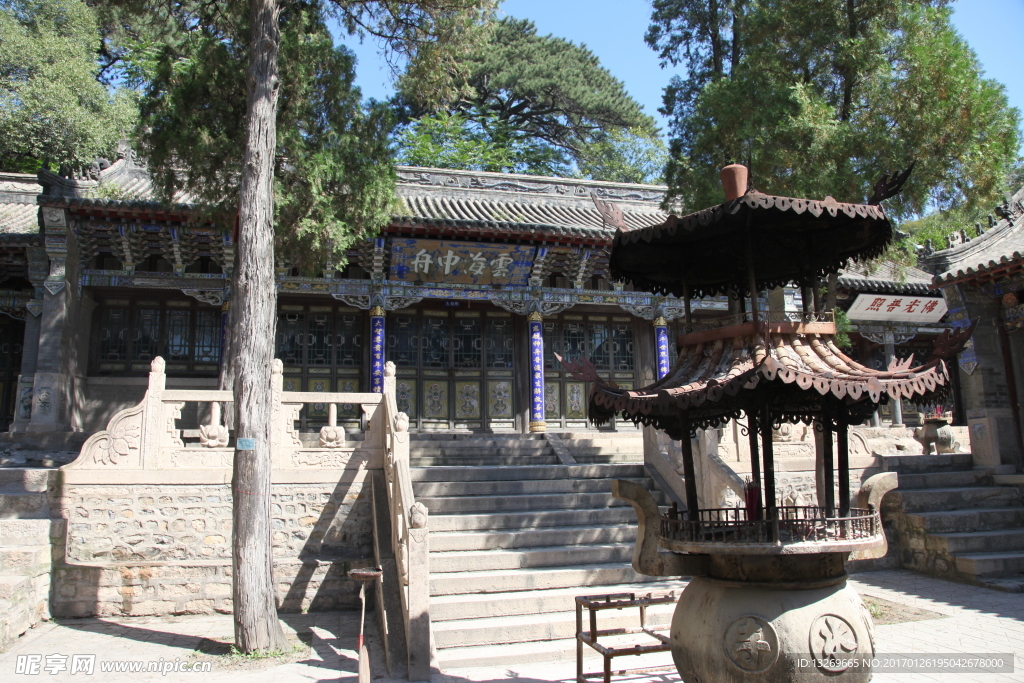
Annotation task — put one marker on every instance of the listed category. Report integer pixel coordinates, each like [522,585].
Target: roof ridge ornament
[890,185]
[611,214]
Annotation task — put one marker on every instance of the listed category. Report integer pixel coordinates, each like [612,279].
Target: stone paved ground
[975,620]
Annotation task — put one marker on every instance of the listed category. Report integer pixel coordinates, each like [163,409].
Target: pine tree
[307,167]
[521,88]
[821,97]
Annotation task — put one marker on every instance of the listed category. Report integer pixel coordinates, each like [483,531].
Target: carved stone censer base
[750,620]
[769,599]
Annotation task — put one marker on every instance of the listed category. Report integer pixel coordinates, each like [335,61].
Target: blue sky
[614,31]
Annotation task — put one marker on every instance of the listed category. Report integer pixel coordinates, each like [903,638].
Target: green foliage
[52,108]
[624,156]
[821,97]
[335,175]
[334,179]
[445,140]
[843,329]
[528,89]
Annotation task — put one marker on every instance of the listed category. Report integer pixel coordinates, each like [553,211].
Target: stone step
[481,461]
[522,472]
[17,532]
[30,479]
[477,605]
[945,480]
[530,538]
[560,654]
[976,541]
[460,437]
[25,560]
[518,502]
[978,519]
[15,588]
[556,556]
[936,499]
[994,564]
[922,464]
[16,620]
[534,519]
[586,577]
[479,445]
[17,504]
[511,487]
[613,458]
[534,627]
[632,448]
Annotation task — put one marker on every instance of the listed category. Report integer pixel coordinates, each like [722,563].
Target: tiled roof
[1000,247]
[18,209]
[885,277]
[522,205]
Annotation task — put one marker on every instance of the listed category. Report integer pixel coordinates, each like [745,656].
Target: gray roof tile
[1001,245]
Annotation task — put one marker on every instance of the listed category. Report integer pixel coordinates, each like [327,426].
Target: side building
[981,276]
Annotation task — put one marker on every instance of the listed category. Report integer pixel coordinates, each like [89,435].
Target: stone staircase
[957,522]
[515,535]
[25,550]
[605,447]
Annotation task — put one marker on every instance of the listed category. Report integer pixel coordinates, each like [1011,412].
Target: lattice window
[291,337]
[500,343]
[435,342]
[319,349]
[403,340]
[178,334]
[574,340]
[623,357]
[350,340]
[146,332]
[208,335]
[131,333]
[599,346]
[114,334]
[467,343]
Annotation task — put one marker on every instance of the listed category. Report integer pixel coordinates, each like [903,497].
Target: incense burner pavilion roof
[717,370]
[793,240]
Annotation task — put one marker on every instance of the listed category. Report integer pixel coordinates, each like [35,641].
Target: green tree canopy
[53,109]
[446,140]
[521,88]
[821,97]
[334,176]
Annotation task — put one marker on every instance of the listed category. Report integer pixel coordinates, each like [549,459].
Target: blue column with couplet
[377,350]
[537,421]
[661,343]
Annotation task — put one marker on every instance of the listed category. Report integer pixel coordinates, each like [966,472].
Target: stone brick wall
[166,549]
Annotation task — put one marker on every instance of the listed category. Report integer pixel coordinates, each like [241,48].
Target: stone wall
[166,549]
[148,508]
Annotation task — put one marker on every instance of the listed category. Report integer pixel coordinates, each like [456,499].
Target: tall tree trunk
[256,626]
[716,38]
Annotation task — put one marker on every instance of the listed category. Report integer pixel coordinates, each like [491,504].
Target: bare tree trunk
[226,375]
[256,626]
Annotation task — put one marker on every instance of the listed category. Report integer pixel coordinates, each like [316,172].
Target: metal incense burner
[769,599]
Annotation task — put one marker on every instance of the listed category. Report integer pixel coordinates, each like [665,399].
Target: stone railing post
[418,633]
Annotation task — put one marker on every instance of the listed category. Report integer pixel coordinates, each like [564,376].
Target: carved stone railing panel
[145,437]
